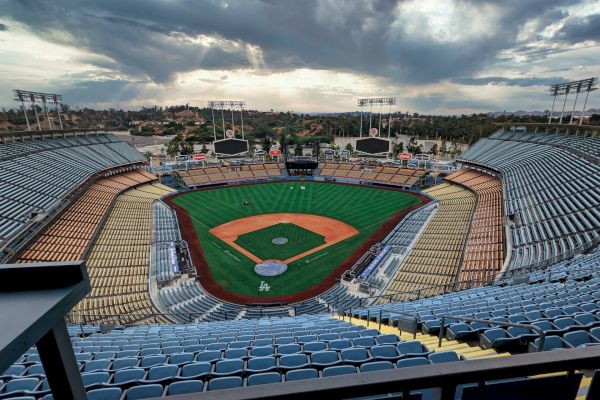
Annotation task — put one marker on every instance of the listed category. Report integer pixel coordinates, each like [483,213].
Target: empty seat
[184,387]
[299,374]
[339,370]
[144,392]
[263,378]
[112,393]
[225,382]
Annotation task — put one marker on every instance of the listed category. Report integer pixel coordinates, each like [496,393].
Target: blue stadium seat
[443,357]
[144,392]
[226,382]
[113,393]
[299,374]
[413,349]
[311,347]
[327,358]
[355,355]
[94,378]
[293,361]
[162,372]
[291,348]
[196,369]
[228,367]
[128,375]
[385,352]
[387,339]
[412,362]
[185,387]
[580,338]
[338,370]
[261,364]
[376,366]
[263,378]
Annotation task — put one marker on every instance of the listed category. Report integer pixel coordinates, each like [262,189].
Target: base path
[332,230]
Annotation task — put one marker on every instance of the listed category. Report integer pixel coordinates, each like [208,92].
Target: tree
[434,149]
[398,148]
[148,155]
[350,148]
[298,149]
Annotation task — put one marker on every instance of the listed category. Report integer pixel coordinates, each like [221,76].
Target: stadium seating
[232,173]
[118,260]
[37,175]
[560,301]
[400,240]
[581,144]
[187,298]
[181,360]
[551,197]
[483,255]
[379,174]
[436,256]
[71,234]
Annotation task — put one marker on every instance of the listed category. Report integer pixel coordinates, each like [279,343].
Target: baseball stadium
[219,252]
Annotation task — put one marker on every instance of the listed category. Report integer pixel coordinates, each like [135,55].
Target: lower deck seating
[379,174]
[435,257]
[187,301]
[118,260]
[231,173]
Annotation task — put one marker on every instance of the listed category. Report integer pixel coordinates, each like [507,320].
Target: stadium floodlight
[381,101]
[23,96]
[564,89]
[231,105]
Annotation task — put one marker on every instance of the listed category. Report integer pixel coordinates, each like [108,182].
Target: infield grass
[260,243]
[364,208]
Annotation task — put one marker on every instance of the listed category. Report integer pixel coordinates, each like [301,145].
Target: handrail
[466,319]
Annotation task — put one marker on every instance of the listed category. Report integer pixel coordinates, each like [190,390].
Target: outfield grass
[260,243]
[361,207]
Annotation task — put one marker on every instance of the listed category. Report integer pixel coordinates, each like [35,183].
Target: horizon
[317,56]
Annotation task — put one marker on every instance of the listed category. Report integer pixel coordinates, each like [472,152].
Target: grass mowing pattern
[299,240]
[361,207]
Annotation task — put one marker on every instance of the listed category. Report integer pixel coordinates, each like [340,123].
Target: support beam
[56,352]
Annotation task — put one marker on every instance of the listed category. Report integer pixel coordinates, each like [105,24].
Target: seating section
[400,239]
[118,261]
[70,235]
[232,173]
[164,262]
[36,175]
[379,174]
[564,302]
[156,360]
[585,144]
[187,301]
[484,253]
[551,196]
[435,258]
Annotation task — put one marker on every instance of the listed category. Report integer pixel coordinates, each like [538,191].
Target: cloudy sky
[436,56]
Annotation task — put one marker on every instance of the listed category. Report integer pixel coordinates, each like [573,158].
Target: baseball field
[317,229]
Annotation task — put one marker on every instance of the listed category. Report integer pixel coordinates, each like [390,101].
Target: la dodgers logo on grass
[264,287]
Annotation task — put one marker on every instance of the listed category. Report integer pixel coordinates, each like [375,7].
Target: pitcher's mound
[279,240]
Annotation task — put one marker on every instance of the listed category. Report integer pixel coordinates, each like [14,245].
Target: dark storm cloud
[160,39]
[579,30]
